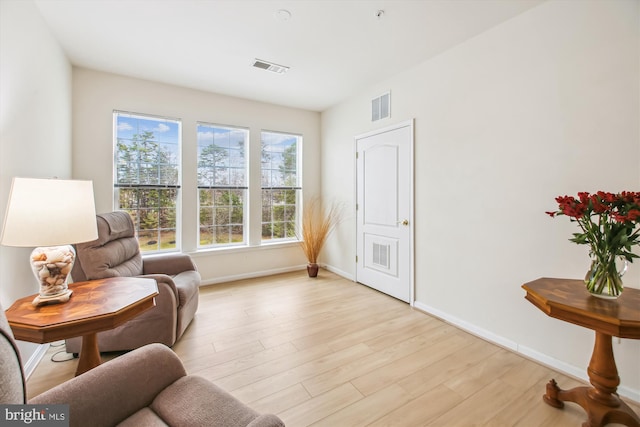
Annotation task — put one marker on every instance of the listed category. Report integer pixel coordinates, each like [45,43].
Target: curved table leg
[89,354]
[601,402]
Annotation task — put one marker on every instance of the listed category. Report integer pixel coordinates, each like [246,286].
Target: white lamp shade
[49,212]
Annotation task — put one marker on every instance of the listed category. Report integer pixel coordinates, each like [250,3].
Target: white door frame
[405,123]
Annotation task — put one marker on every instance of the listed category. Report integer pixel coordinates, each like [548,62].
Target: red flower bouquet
[609,224]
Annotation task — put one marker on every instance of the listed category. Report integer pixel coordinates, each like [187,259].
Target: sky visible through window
[221,155]
[128,126]
[279,159]
[148,150]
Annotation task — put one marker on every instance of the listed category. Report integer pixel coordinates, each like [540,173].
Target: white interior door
[384,187]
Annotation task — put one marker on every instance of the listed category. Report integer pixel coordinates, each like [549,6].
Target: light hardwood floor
[330,352]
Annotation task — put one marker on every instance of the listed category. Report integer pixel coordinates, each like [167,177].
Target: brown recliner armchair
[116,253]
[146,387]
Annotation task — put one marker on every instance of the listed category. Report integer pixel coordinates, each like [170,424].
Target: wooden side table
[95,306]
[569,300]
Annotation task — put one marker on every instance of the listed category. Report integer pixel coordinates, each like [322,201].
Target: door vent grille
[381,107]
[381,255]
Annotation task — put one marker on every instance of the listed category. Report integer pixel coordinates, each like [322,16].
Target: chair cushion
[145,417]
[194,401]
[114,253]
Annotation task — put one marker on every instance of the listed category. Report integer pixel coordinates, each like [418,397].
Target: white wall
[545,104]
[35,112]
[35,129]
[96,95]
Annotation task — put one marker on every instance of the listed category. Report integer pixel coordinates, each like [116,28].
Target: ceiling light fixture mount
[270,66]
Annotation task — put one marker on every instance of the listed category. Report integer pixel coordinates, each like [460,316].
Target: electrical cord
[54,356]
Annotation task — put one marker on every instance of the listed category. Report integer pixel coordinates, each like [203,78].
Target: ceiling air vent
[270,66]
[381,107]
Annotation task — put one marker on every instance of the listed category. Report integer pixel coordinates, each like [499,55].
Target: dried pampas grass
[317,224]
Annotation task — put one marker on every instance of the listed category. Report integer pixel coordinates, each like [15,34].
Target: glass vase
[604,278]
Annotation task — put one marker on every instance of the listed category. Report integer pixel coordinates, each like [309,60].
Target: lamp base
[52,266]
[52,299]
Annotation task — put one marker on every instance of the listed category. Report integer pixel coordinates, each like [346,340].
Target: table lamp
[51,214]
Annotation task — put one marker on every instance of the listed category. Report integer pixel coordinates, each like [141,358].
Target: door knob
[405,222]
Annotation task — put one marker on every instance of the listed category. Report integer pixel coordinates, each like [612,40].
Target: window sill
[244,248]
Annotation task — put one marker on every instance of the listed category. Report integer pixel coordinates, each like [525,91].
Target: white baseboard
[572,370]
[32,363]
[543,359]
[339,272]
[252,275]
[264,273]
[469,327]
[566,368]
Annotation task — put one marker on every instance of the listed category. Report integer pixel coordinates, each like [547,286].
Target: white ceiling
[335,48]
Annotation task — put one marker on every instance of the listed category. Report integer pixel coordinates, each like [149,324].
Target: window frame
[228,187]
[297,188]
[160,186]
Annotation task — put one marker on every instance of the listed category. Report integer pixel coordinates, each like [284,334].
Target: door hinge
[356,154]
[356,259]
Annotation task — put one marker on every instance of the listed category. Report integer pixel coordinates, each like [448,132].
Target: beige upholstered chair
[146,387]
[116,253]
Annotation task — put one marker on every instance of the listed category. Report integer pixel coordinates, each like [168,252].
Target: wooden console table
[569,300]
[94,306]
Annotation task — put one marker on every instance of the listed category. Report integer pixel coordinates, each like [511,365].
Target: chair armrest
[164,281]
[113,391]
[170,264]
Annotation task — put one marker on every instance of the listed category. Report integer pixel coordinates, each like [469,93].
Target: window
[280,185]
[222,184]
[147,176]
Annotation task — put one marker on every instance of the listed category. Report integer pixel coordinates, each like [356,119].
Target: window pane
[221,234]
[278,230]
[206,217]
[167,197]
[290,213]
[290,229]
[266,213]
[206,236]
[278,213]
[221,164]
[148,219]
[167,239]
[148,197]
[280,183]
[147,153]
[128,198]
[266,231]
[237,234]
[219,197]
[237,215]
[222,215]
[168,219]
